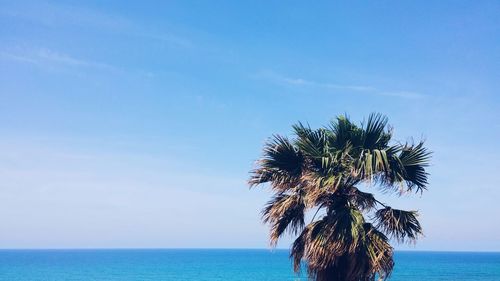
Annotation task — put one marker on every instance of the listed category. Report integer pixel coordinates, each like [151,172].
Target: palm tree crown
[322,171]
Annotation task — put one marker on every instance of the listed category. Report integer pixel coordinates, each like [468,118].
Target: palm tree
[320,173]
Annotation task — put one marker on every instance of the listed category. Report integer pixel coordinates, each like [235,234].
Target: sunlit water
[195,265]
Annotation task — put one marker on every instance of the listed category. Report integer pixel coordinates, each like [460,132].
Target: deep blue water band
[237,265]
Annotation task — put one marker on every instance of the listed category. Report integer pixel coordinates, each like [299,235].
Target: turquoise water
[194,265]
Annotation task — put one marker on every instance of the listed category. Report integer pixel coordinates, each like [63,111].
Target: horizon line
[220,248]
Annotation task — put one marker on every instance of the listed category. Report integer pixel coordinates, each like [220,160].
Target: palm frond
[362,200]
[301,130]
[415,159]
[281,164]
[399,224]
[372,163]
[345,133]
[407,165]
[333,236]
[284,212]
[312,142]
[376,135]
[298,249]
[379,250]
[415,155]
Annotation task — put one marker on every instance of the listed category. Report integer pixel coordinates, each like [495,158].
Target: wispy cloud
[403,94]
[364,89]
[52,59]
[303,82]
[54,15]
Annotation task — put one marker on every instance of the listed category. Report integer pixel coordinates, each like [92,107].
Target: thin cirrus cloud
[363,89]
[47,58]
[57,15]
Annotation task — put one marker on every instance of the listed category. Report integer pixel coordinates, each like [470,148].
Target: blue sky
[135,125]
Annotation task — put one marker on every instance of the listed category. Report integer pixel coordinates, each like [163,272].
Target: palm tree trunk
[329,274]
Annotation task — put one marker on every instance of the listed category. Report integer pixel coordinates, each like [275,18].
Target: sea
[231,265]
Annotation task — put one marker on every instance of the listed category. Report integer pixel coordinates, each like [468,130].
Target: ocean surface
[196,265]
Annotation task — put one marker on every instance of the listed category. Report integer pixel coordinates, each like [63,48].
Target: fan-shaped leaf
[401,225]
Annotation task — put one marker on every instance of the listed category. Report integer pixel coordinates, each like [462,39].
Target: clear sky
[135,124]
